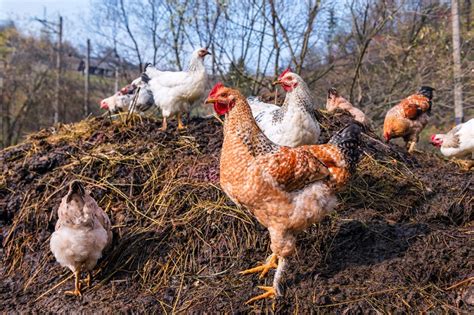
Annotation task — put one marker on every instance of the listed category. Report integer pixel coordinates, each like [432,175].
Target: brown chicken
[287,189]
[336,101]
[408,118]
[83,231]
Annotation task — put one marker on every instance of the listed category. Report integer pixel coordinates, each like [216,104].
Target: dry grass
[177,239]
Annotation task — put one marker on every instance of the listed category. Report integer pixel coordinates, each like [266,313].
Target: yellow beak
[276,82]
[210,101]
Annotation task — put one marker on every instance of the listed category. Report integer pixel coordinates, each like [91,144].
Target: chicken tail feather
[76,189]
[348,141]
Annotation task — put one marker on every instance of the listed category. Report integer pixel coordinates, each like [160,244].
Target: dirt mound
[400,240]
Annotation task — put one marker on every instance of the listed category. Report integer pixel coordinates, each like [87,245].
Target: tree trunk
[458,107]
[5,118]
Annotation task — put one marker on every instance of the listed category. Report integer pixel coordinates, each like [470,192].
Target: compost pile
[400,240]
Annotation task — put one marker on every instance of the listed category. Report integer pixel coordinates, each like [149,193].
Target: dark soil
[400,241]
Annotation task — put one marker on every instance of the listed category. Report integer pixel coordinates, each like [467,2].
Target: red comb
[284,72]
[215,89]
[125,89]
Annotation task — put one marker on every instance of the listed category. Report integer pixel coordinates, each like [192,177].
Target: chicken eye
[224,94]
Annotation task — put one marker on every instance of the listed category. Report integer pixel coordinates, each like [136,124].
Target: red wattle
[104,105]
[220,109]
[286,88]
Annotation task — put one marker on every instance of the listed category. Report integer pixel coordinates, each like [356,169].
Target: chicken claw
[180,122]
[75,292]
[270,264]
[270,293]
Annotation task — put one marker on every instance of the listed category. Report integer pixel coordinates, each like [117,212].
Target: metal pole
[87,79]
[458,108]
[58,72]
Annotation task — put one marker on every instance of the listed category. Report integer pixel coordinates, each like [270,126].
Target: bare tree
[131,34]
[365,28]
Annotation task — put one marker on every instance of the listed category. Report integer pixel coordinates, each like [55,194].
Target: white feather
[466,141]
[295,126]
[176,92]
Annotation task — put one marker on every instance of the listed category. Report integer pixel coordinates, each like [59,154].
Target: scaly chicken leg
[88,279]
[271,263]
[77,284]
[164,126]
[411,146]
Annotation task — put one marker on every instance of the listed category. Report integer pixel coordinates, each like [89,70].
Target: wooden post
[458,107]
[56,106]
[5,117]
[87,79]
[116,82]
[117,64]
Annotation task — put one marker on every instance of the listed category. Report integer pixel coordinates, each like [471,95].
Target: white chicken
[122,100]
[176,92]
[294,123]
[83,231]
[458,143]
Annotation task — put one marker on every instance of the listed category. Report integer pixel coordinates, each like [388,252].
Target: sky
[76,18]
[23,12]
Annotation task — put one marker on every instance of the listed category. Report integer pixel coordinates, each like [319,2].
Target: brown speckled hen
[336,101]
[408,118]
[287,189]
[83,231]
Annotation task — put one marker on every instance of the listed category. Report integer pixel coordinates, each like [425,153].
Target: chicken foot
[271,263]
[87,281]
[180,122]
[465,165]
[273,291]
[77,284]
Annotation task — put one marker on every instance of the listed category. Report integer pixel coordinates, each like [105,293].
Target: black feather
[348,141]
[75,188]
[145,77]
[332,92]
[427,91]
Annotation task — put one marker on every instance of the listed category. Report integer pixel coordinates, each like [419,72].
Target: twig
[57,285]
[460,283]
[134,103]
[218,118]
